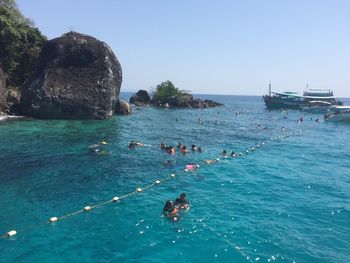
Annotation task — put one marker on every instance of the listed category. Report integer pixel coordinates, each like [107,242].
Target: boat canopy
[296,95]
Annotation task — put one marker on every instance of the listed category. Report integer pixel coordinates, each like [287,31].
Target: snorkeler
[162,146]
[134,144]
[184,149]
[193,148]
[233,154]
[181,202]
[170,211]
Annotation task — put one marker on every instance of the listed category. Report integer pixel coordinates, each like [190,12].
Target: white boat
[338,113]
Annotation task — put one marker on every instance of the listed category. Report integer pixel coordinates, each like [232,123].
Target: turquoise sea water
[289,200]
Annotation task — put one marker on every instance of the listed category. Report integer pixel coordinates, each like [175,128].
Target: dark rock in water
[141,98]
[3,91]
[186,101]
[122,108]
[77,77]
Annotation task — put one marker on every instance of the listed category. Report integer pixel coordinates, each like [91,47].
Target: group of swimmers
[182,148]
[172,209]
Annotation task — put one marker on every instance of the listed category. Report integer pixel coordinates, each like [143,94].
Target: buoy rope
[232,245]
[139,190]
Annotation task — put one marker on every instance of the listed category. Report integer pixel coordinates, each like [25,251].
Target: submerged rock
[77,77]
[122,108]
[3,92]
[140,98]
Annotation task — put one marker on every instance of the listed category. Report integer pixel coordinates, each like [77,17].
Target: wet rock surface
[77,77]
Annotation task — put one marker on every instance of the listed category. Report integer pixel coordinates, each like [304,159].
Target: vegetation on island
[20,44]
[166,91]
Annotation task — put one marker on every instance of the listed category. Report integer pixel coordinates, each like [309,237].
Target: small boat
[292,100]
[317,106]
[338,113]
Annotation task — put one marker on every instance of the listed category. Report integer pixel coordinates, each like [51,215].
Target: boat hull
[343,117]
[282,103]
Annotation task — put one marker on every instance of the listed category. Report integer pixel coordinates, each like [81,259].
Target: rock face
[141,98]
[77,77]
[3,92]
[122,108]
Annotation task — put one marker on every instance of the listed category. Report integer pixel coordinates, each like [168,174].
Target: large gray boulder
[122,108]
[77,77]
[3,92]
[140,98]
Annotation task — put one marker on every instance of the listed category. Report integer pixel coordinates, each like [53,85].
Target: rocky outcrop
[186,100]
[122,108]
[3,91]
[77,77]
[141,98]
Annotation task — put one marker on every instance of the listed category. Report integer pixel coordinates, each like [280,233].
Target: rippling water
[287,201]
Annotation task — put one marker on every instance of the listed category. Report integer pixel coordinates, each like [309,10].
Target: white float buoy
[157,182]
[173,175]
[258,146]
[197,166]
[186,170]
[115,199]
[139,190]
[53,219]
[253,149]
[11,233]
[87,208]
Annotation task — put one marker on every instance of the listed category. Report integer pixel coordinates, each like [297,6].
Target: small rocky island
[167,95]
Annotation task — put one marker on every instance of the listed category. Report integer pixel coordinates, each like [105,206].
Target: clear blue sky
[213,47]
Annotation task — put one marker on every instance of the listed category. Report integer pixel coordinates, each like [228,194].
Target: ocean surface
[286,201]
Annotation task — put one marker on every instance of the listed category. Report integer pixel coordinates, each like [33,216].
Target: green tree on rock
[20,44]
[166,90]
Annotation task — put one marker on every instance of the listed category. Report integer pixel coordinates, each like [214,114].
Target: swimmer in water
[134,143]
[170,211]
[233,154]
[224,152]
[182,202]
[199,149]
[179,145]
[193,147]
[184,150]
[191,166]
[210,161]
[162,146]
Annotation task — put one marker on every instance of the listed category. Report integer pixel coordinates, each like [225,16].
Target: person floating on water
[210,161]
[199,149]
[170,211]
[191,166]
[182,203]
[179,145]
[193,148]
[162,146]
[233,154]
[224,152]
[133,144]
